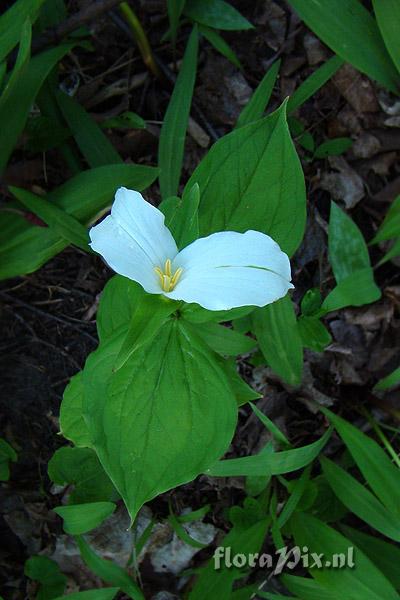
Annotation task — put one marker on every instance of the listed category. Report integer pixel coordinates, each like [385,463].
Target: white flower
[222,271]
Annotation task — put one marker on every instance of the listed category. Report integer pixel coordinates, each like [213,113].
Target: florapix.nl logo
[283,558]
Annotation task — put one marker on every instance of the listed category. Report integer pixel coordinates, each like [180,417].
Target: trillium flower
[222,271]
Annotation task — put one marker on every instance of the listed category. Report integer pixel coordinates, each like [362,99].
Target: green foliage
[7,455]
[276,331]
[257,104]
[333,147]
[351,31]
[98,594]
[255,174]
[47,573]
[387,13]
[215,13]
[173,131]
[13,21]
[181,216]
[218,42]
[81,518]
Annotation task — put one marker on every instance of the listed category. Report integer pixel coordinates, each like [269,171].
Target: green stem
[140,37]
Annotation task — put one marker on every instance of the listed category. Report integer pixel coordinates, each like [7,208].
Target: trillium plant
[199,280]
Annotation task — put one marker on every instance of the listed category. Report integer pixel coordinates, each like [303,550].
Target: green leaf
[313,333]
[218,42]
[173,131]
[216,14]
[314,82]
[175,8]
[15,109]
[384,555]
[360,501]
[258,103]
[392,253]
[311,302]
[389,381]
[98,594]
[276,330]
[292,502]
[81,518]
[333,147]
[94,145]
[272,428]
[109,571]
[7,455]
[390,227]
[12,22]
[81,468]
[350,31]
[161,419]
[348,251]
[181,216]
[182,533]
[149,316]
[58,220]
[21,63]
[243,392]
[72,424]
[355,290]
[225,341]
[306,588]
[252,179]
[126,120]
[381,475]
[361,581]
[47,573]
[277,464]
[387,13]
[25,247]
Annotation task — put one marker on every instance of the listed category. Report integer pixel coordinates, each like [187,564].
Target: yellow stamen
[168,280]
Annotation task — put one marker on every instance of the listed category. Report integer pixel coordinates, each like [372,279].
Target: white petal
[230,269]
[133,239]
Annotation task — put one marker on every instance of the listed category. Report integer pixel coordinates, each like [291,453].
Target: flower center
[168,280]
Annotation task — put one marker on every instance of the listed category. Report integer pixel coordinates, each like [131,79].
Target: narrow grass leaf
[258,103]
[314,82]
[24,54]
[218,42]
[217,14]
[12,20]
[97,594]
[387,13]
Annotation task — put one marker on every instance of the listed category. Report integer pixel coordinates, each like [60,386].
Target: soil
[47,319]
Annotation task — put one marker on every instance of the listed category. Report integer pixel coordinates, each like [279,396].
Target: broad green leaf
[348,251]
[7,455]
[333,147]
[173,131]
[15,109]
[314,82]
[360,501]
[94,145]
[148,317]
[81,518]
[25,247]
[45,133]
[276,330]
[21,63]
[350,31]
[98,594]
[355,290]
[390,227]
[361,581]
[47,573]
[384,555]
[218,42]
[118,301]
[81,468]
[59,221]
[387,13]
[109,571]
[197,314]
[72,424]
[181,216]
[313,333]
[224,340]
[175,8]
[258,103]
[12,21]
[277,464]
[161,419]
[379,472]
[389,381]
[216,13]
[306,588]
[252,179]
